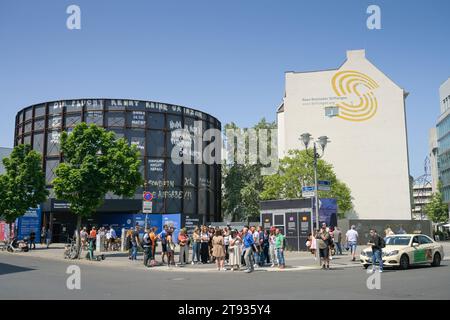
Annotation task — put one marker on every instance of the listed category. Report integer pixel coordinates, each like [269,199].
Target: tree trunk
[77,236]
[11,231]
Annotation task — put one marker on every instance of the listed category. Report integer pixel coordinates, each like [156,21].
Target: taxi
[403,250]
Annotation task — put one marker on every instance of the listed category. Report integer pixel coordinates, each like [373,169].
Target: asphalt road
[36,278]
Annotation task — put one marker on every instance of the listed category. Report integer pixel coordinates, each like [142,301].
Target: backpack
[146,241]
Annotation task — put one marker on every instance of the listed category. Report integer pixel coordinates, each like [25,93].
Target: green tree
[243,183]
[437,209]
[95,163]
[297,170]
[23,185]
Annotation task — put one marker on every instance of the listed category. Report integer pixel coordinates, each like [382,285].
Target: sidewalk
[295,261]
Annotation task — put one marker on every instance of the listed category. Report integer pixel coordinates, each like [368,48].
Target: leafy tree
[23,185]
[95,163]
[437,209]
[297,170]
[243,183]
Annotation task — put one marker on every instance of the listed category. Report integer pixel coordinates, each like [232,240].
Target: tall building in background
[433,153]
[443,138]
[4,152]
[362,111]
[422,193]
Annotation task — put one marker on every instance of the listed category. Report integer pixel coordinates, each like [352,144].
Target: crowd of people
[250,247]
[108,238]
[328,240]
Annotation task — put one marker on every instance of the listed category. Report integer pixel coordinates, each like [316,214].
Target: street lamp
[322,141]
[146,215]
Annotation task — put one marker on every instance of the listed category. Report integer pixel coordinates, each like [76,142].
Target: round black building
[190,189]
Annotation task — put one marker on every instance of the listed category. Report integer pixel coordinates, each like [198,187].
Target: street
[28,277]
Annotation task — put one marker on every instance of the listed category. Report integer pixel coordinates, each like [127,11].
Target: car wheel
[436,260]
[404,262]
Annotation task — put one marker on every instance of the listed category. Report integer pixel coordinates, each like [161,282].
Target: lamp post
[146,215]
[322,141]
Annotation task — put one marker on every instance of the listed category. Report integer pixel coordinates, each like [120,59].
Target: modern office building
[433,156]
[422,193]
[4,152]
[186,189]
[362,111]
[443,139]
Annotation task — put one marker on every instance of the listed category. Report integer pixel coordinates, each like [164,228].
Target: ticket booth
[293,218]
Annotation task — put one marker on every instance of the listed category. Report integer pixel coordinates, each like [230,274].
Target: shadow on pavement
[9,268]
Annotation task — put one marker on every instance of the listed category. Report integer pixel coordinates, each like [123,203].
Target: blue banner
[30,222]
[327,211]
[173,220]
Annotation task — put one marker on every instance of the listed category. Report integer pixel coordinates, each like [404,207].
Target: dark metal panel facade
[188,188]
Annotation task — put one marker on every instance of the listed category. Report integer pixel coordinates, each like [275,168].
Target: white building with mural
[368,147]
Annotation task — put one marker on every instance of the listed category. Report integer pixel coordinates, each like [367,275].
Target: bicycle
[71,250]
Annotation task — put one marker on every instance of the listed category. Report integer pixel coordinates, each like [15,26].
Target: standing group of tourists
[250,247]
[328,240]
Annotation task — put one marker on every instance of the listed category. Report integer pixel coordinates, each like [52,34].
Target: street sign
[147,206]
[147,196]
[308,191]
[324,185]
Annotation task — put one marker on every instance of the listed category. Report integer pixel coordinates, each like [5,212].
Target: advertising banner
[4,231]
[190,222]
[153,220]
[30,222]
[173,220]
[327,211]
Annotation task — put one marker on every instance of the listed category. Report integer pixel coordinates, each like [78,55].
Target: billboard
[327,211]
[173,220]
[30,222]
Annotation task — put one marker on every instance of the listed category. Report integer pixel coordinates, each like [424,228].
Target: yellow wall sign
[353,83]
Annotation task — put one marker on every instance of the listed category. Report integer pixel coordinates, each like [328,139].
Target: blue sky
[226,58]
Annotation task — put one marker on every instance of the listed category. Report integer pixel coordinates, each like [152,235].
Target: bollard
[98,244]
[122,242]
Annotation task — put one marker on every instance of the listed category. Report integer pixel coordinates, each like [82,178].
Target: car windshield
[397,241]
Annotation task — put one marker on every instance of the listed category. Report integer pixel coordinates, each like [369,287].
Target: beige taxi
[403,250]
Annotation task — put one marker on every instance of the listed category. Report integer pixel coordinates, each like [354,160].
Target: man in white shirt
[351,237]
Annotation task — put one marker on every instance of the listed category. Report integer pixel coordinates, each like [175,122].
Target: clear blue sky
[226,58]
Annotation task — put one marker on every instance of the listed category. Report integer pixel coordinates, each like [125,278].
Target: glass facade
[443,159]
[177,188]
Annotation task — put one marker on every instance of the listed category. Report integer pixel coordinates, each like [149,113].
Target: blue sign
[30,222]
[153,220]
[324,185]
[327,211]
[173,220]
